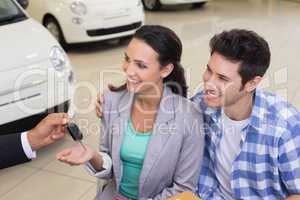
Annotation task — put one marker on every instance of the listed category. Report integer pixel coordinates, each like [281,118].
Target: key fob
[74,131]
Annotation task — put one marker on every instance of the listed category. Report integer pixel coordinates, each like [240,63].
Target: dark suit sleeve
[11,150]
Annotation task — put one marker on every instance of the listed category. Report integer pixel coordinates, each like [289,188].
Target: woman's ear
[166,70]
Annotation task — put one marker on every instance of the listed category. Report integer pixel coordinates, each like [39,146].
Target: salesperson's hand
[48,131]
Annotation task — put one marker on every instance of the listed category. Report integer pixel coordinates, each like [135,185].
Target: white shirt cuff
[107,167]
[26,146]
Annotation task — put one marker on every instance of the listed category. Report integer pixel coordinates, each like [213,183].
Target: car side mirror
[23,3]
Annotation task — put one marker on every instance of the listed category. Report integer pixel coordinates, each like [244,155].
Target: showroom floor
[97,64]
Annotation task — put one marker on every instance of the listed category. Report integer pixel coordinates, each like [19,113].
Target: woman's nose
[130,69]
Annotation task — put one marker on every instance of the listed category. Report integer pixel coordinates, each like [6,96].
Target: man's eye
[223,79]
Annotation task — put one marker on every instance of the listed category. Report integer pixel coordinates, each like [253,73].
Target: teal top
[133,151]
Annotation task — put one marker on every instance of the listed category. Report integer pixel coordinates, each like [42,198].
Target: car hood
[24,43]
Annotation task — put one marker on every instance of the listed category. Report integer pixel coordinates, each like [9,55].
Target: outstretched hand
[76,155]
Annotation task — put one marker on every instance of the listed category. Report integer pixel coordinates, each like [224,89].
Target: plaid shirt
[268,165]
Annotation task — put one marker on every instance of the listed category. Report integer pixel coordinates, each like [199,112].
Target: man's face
[222,82]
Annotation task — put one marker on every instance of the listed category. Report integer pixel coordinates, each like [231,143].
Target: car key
[75,133]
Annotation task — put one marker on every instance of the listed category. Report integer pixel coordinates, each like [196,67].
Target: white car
[36,75]
[77,21]
[156,4]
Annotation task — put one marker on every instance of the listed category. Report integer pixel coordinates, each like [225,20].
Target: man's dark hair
[244,47]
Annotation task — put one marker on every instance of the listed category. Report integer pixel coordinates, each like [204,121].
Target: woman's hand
[76,155]
[99,104]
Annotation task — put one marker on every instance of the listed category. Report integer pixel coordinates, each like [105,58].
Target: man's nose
[211,82]
[210,86]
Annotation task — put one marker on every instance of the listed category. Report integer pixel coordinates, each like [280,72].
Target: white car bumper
[166,2]
[100,25]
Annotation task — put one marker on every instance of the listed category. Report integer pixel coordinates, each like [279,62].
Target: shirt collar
[259,111]
[258,115]
[213,113]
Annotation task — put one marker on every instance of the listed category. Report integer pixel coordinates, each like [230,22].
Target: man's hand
[99,103]
[48,131]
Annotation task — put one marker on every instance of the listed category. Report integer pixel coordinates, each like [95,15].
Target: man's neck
[241,110]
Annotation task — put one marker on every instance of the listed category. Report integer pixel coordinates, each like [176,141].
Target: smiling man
[252,136]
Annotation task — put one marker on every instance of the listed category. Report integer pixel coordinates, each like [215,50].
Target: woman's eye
[141,66]
[126,59]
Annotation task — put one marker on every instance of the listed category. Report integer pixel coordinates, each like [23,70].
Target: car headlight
[58,58]
[78,8]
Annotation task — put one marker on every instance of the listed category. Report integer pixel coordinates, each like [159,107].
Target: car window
[10,12]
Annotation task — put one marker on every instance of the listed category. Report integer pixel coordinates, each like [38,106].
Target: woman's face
[142,68]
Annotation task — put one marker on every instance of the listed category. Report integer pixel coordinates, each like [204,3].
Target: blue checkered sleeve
[289,156]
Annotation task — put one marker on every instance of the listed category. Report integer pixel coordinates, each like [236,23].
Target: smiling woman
[152,136]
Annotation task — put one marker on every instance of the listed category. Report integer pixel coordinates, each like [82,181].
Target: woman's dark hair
[169,49]
[246,47]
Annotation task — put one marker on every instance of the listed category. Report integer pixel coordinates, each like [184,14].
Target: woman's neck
[145,109]
[151,99]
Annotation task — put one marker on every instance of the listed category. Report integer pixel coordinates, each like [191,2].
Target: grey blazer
[174,153]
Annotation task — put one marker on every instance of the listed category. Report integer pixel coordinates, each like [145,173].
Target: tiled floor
[97,64]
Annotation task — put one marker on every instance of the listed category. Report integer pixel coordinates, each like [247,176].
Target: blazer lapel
[119,126]
[160,134]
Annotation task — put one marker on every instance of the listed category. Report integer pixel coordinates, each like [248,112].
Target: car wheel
[53,27]
[199,5]
[151,4]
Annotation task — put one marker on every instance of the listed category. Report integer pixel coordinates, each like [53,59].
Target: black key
[74,131]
